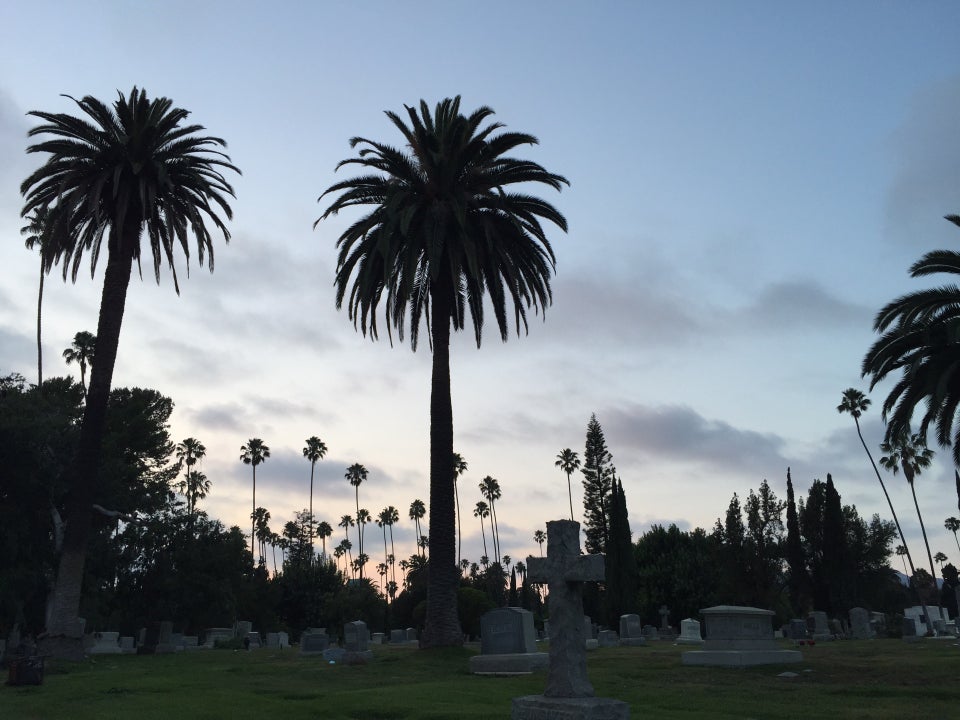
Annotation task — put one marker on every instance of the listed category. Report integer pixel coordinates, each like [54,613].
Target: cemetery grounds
[836,680]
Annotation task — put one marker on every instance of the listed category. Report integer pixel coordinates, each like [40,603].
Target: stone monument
[569,693]
[356,643]
[689,632]
[508,644]
[631,631]
[738,637]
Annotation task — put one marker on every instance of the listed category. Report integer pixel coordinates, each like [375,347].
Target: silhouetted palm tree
[314,451]
[253,454]
[194,486]
[356,474]
[444,230]
[347,522]
[126,174]
[902,551]
[540,537]
[323,532]
[568,461]
[940,558]
[459,468]
[481,511]
[417,512]
[82,351]
[34,230]
[490,489]
[918,340]
[953,525]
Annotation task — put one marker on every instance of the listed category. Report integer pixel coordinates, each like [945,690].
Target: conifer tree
[622,576]
[798,581]
[598,475]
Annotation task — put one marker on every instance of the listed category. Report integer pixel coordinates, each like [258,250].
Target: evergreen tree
[621,565]
[798,581]
[834,544]
[597,484]
[762,552]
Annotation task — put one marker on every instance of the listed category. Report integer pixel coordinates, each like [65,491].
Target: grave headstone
[191,643]
[664,617]
[126,645]
[689,632]
[507,644]
[398,636]
[314,642]
[910,630]
[411,635]
[738,637]
[569,693]
[608,638]
[376,638]
[631,631]
[176,639]
[244,628]
[334,654]
[106,643]
[818,626]
[150,638]
[215,635]
[356,640]
[165,638]
[860,626]
[836,628]
[797,629]
[650,632]
[590,642]
[546,629]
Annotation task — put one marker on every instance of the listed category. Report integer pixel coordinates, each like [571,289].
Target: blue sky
[749,183]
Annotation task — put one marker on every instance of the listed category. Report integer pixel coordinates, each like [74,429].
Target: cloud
[220,416]
[799,304]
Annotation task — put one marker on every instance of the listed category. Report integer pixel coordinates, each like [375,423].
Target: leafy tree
[254,453]
[34,230]
[597,484]
[314,450]
[490,490]
[260,517]
[763,543]
[81,351]
[123,172]
[730,537]
[918,342]
[911,454]
[568,461]
[459,468]
[444,230]
[953,525]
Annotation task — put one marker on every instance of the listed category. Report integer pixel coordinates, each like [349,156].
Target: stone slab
[538,707]
[509,663]
[740,658]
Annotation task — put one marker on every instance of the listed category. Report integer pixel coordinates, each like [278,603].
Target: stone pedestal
[538,707]
[739,637]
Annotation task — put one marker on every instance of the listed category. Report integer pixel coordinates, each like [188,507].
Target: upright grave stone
[314,641]
[607,638]
[356,641]
[738,637]
[860,626]
[590,642]
[149,639]
[631,631]
[569,693]
[165,638]
[126,645]
[398,636]
[650,632]
[689,632]
[819,626]
[215,635]
[106,643]
[797,629]
[508,644]
[910,630]
[664,618]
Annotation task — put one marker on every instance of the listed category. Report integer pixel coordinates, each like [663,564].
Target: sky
[749,184]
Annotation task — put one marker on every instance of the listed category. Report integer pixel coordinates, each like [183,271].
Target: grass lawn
[852,679]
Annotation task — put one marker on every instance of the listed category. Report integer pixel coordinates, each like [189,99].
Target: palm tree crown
[919,340]
[568,461]
[123,173]
[82,351]
[445,229]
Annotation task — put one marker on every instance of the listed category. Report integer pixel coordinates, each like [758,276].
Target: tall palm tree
[314,450]
[910,453]
[129,173]
[189,452]
[568,461]
[347,522]
[940,558]
[34,230]
[383,520]
[417,512]
[918,341]
[482,510]
[323,532]
[953,525]
[902,551]
[82,351]
[444,229]
[856,403]
[356,474]
[363,517]
[392,517]
[260,517]
[254,453]
[540,537]
[490,489]
[459,468]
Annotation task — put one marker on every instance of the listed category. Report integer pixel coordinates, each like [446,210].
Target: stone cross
[564,571]
[664,617]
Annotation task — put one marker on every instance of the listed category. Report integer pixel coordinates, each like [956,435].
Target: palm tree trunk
[483,534]
[64,605]
[456,497]
[933,571]
[442,626]
[494,531]
[393,565]
[39,315]
[312,463]
[570,495]
[253,512]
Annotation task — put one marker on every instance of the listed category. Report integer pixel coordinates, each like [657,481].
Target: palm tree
[481,511]
[254,453]
[568,461]
[323,532]
[346,522]
[356,474]
[189,452]
[34,230]
[383,520]
[940,558]
[909,453]
[124,173]
[918,338]
[540,537]
[260,517]
[363,517]
[82,352]
[901,551]
[459,468]
[392,517]
[856,403]
[417,512]
[490,489]
[314,450]
[953,524]
[521,568]
[444,229]
[338,553]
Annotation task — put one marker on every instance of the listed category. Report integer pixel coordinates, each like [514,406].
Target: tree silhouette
[82,351]
[254,453]
[356,474]
[569,462]
[953,525]
[459,468]
[34,230]
[481,511]
[314,450]
[444,230]
[540,537]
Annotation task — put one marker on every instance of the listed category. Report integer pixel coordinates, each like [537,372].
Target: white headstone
[689,632]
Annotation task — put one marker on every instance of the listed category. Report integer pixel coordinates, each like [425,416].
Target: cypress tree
[597,483]
[798,580]
[834,549]
[622,576]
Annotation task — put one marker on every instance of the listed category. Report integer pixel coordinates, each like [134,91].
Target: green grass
[842,680]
